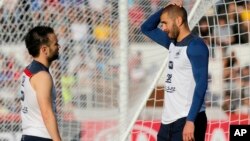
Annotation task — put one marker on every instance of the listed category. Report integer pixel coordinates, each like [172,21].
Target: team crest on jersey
[177,54]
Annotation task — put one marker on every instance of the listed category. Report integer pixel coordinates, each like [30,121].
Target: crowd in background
[93,32]
[87,33]
[230,27]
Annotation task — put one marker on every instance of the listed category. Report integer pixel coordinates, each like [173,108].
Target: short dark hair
[36,37]
[175,11]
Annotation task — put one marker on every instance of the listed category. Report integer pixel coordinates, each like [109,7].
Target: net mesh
[87,74]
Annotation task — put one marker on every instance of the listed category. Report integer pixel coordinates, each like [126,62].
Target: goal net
[105,94]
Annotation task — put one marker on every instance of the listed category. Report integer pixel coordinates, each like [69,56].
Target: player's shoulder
[190,40]
[197,46]
[196,40]
[36,67]
[41,78]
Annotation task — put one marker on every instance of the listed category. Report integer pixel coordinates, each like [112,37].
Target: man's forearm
[152,22]
[52,126]
[150,29]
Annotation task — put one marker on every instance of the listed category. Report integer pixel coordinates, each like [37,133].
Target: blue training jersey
[187,72]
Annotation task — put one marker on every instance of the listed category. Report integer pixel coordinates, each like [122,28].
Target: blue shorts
[34,138]
[173,131]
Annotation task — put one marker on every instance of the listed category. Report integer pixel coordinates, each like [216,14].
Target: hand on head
[176,2]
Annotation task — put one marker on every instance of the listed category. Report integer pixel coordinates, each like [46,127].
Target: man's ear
[179,21]
[43,49]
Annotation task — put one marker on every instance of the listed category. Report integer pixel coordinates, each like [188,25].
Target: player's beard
[53,57]
[174,33]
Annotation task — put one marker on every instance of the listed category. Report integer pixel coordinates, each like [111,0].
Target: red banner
[147,130]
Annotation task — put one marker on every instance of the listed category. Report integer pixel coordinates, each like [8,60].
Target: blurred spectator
[231,60]
[79,31]
[6,73]
[65,57]
[52,2]
[36,5]
[65,42]
[10,71]
[27,57]
[74,60]
[70,3]
[245,80]
[233,20]
[205,31]
[130,3]
[154,5]
[10,5]
[102,31]
[136,70]
[1,60]
[245,13]
[79,27]
[212,99]
[230,69]
[228,106]
[67,83]
[244,107]
[63,35]
[245,23]
[136,16]
[245,77]
[15,106]
[223,33]
[103,36]
[232,80]
[83,85]
[17,72]
[97,5]
[100,64]
[3,108]
[83,76]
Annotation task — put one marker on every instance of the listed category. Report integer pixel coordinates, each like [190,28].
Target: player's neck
[43,61]
[184,32]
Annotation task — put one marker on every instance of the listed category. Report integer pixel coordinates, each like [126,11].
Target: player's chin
[55,57]
[170,36]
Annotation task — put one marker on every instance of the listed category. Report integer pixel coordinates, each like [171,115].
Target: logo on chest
[177,54]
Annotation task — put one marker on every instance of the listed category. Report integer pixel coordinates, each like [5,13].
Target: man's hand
[176,2]
[188,131]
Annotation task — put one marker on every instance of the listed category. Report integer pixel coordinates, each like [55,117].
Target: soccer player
[38,95]
[184,116]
